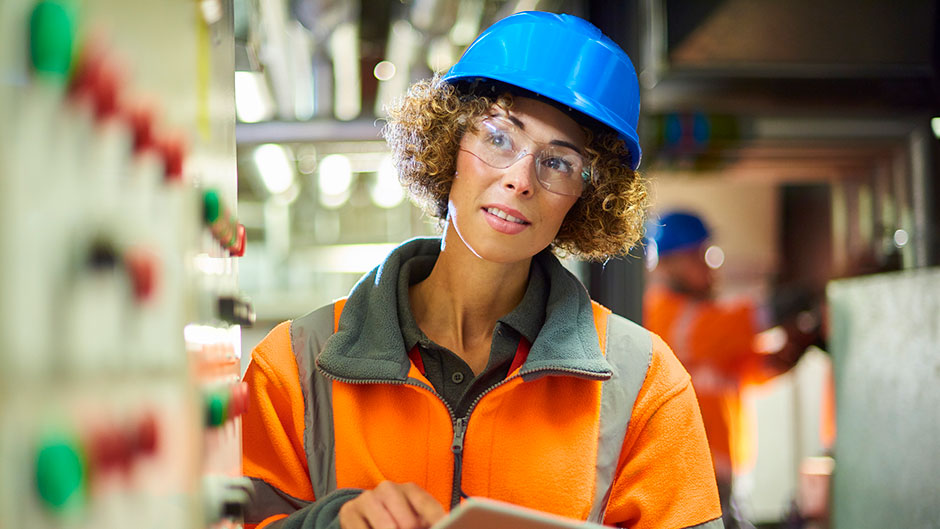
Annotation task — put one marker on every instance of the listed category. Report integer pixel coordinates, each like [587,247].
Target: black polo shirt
[451,377]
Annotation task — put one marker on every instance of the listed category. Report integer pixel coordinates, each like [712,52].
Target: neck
[459,303]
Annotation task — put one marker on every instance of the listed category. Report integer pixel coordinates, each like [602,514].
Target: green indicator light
[216,409]
[60,473]
[211,206]
[51,38]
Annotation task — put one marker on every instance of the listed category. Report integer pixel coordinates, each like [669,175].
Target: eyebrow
[561,143]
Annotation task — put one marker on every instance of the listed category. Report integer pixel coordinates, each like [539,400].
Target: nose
[520,177]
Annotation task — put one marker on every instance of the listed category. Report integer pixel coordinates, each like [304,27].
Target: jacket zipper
[459,425]
[456,446]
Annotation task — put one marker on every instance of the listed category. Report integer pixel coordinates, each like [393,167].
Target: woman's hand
[391,506]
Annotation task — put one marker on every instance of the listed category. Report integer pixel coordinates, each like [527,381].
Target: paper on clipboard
[484,513]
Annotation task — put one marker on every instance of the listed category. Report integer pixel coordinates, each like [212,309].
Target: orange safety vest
[715,343]
[624,448]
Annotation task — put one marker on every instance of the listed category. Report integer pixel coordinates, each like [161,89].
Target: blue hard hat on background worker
[563,58]
[676,231]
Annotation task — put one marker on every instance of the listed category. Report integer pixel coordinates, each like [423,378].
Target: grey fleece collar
[368,345]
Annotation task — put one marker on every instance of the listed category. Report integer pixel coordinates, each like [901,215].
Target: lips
[505,216]
[505,220]
[506,213]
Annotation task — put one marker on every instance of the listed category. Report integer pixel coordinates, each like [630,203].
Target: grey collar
[368,345]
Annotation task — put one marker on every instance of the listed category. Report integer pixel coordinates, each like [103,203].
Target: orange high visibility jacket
[599,424]
[715,343]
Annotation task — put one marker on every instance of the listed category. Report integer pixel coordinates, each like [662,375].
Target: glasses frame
[586,169]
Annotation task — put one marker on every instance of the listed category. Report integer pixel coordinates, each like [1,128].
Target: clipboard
[484,513]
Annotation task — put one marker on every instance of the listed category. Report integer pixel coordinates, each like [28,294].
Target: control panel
[120,313]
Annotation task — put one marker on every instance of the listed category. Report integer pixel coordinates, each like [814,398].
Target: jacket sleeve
[665,478]
[273,454]
[323,514]
[272,432]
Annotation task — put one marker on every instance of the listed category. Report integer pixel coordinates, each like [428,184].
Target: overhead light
[275,167]
[301,65]
[714,257]
[441,55]
[253,101]
[344,48]
[465,29]
[526,5]
[425,13]
[335,180]
[935,125]
[387,191]
[403,42]
[384,70]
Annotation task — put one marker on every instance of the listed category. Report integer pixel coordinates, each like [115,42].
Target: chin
[500,249]
[492,246]
[500,252]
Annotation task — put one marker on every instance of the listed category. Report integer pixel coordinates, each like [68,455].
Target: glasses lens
[560,170]
[498,143]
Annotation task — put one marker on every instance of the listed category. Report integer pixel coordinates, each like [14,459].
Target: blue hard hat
[676,231]
[563,58]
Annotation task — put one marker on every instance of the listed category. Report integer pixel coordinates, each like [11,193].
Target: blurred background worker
[715,341]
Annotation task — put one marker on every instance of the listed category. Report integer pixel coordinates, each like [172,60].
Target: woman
[475,364]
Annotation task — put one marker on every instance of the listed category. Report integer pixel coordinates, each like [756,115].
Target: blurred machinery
[120,312]
[885,344]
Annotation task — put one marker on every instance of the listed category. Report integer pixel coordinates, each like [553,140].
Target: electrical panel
[120,313]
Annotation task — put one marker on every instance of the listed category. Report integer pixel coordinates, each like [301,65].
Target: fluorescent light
[252,99]
[441,55]
[467,26]
[526,5]
[344,47]
[275,167]
[335,180]
[935,125]
[301,64]
[403,41]
[387,191]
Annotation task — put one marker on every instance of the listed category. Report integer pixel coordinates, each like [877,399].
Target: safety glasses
[497,142]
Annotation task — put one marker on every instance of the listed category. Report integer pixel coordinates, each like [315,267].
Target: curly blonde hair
[424,129]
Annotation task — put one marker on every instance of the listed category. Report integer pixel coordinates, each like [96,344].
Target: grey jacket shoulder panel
[309,333]
[308,336]
[629,352]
